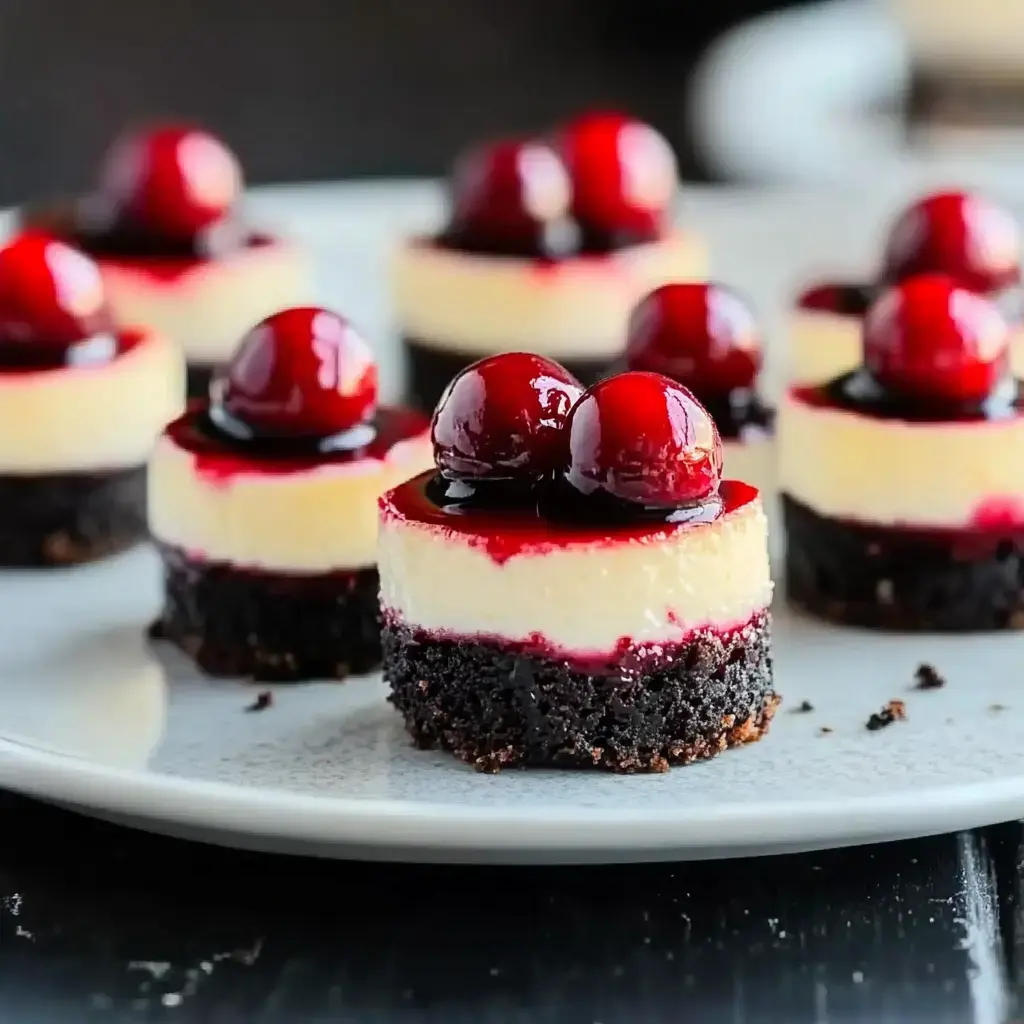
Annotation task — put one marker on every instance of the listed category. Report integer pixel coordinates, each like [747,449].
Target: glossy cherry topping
[171,183]
[510,197]
[702,335]
[931,338]
[642,439]
[965,236]
[501,418]
[624,177]
[841,299]
[301,373]
[51,299]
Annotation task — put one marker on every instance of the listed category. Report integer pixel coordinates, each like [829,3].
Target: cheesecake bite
[164,227]
[82,404]
[903,481]
[548,245]
[263,504]
[704,336]
[963,236]
[607,603]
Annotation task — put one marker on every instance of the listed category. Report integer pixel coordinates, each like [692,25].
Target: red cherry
[643,438]
[501,417]
[932,338]
[702,335]
[507,194]
[50,293]
[965,236]
[172,181]
[303,372]
[624,174]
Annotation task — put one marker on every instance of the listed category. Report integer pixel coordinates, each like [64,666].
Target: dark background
[317,89]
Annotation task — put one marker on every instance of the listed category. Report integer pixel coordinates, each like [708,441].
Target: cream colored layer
[480,305]
[585,598]
[985,37]
[317,521]
[848,466]
[106,416]
[823,346]
[752,461]
[208,309]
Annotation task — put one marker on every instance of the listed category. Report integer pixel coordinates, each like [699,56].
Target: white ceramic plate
[91,717]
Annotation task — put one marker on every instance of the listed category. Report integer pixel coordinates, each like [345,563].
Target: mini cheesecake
[81,405]
[611,595]
[957,234]
[967,68]
[705,337]
[163,228]
[263,505]
[548,246]
[903,480]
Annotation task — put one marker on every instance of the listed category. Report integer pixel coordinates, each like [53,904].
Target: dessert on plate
[903,481]
[263,504]
[82,403]
[967,68]
[548,245]
[705,337]
[573,584]
[164,227]
[964,236]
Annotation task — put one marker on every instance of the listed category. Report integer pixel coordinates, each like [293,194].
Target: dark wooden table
[102,924]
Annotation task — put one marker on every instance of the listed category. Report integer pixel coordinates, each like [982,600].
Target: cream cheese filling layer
[208,308]
[320,520]
[582,599]
[887,472]
[823,346]
[579,308]
[90,418]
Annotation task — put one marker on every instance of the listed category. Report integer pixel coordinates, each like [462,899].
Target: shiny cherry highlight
[931,338]
[643,439]
[501,418]
[702,335]
[301,373]
[624,175]
[964,236]
[51,295]
[171,182]
[509,196]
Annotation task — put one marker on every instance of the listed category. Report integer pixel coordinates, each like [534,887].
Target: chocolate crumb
[264,699]
[927,677]
[803,708]
[826,729]
[894,711]
[997,707]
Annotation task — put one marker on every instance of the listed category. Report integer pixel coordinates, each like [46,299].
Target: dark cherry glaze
[220,455]
[839,298]
[504,531]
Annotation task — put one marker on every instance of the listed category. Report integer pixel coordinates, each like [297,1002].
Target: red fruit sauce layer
[219,458]
[161,268]
[628,660]
[857,392]
[18,358]
[504,533]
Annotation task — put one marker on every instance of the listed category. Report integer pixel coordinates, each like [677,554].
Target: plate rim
[281,814]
